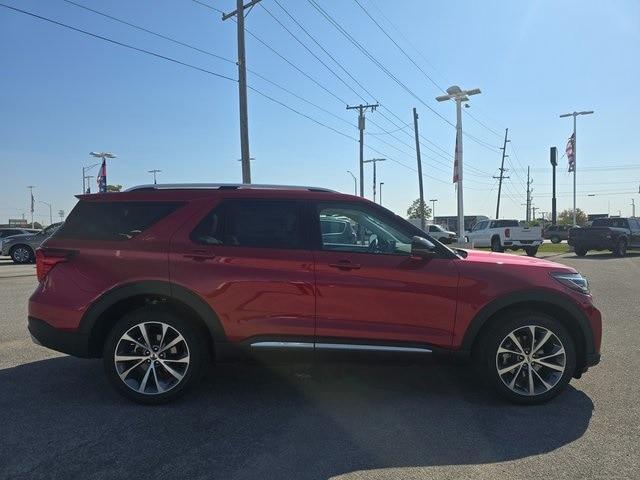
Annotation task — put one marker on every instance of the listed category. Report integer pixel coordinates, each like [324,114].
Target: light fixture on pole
[573,149]
[458,95]
[154,171]
[355,182]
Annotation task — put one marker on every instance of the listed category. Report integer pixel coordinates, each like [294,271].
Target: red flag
[102,178]
[571,152]
[456,177]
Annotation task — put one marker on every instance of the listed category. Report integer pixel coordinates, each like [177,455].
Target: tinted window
[635,225]
[504,223]
[7,233]
[374,232]
[258,224]
[611,222]
[331,226]
[113,220]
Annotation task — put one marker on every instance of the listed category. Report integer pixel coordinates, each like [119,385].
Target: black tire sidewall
[580,252]
[496,246]
[191,334]
[555,239]
[621,248]
[501,329]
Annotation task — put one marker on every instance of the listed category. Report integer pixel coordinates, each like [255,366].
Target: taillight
[507,232]
[47,258]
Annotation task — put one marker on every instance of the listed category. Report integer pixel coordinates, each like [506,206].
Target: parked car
[439,233]
[11,231]
[503,235]
[159,279]
[337,230]
[21,248]
[556,233]
[610,233]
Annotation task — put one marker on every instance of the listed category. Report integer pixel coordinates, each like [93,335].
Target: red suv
[157,280]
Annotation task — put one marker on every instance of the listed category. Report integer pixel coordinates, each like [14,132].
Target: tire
[22,254]
[495,245]
[186,357]
[545,380]
[555,239]
[621,248]
[580,252]
[531,251]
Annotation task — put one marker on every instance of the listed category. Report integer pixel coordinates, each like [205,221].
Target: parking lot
[60,419]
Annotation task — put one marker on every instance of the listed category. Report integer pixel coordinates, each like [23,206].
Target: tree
[114,188]
[565,217]
[415,210]
[37,225]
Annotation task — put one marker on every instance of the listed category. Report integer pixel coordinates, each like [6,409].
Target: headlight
[574,281]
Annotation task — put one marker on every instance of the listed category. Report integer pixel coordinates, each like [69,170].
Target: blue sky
[63,94]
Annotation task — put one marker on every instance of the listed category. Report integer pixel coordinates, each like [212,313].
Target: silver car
[22,248]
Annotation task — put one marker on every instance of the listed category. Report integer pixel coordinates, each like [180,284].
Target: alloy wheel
[151,358]
[21,255]
[531,360]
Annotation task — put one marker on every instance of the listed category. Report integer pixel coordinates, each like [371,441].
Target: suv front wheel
[528,357]
[152,356]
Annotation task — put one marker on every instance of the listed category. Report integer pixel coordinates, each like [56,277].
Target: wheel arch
[554,305]
[109,308]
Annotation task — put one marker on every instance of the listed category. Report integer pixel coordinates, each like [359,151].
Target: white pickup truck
[503,235]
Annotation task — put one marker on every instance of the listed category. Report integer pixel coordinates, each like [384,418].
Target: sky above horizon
[64,94]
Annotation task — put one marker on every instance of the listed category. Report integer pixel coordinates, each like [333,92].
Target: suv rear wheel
[555,239]
[528,357]
[621,248]
[22,254]
[152,356]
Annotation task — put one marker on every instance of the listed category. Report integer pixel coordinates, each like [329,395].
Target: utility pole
[533,213]
[355,182]
[433,208]
[381,184]
[242,86]
[502,170]
[154,171]
[575,157]
[553,158]
[31,187]
[419,159]
[458,95]
[633,207]
[529,191]
[374,161]
[361,124]
[89,177]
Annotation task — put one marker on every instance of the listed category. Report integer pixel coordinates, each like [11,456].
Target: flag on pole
[455,164]
[102,177]
[570,151]
[32,201]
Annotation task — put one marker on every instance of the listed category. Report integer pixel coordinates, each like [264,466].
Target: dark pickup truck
[615,234]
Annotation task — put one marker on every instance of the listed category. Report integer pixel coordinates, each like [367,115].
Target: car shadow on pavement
[61,419]
[603,256]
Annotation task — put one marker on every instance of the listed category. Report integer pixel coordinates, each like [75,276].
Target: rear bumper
[522,243]
[65,341]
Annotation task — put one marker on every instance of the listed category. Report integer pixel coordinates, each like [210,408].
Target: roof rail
[223,186]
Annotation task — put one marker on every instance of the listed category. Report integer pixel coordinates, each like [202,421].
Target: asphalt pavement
[60,419]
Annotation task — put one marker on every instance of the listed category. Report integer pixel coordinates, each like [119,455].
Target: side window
[366,230]
[634,224]
[252,223]
[433,229]
[479,226]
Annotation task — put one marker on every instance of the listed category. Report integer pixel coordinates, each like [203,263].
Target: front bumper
[65,341]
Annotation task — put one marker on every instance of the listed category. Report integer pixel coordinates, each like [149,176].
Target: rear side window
[113,220]
[253,223]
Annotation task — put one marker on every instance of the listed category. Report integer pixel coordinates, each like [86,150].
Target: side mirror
[421,247]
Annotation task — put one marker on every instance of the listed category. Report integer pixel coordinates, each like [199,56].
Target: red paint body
[259,292]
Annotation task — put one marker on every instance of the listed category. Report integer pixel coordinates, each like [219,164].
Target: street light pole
[50,213]
[456,93]
[575,155]
[374,161]
[154,171]
[433,208]
[355,182]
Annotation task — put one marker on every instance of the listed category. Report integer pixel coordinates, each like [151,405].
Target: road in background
[60,418]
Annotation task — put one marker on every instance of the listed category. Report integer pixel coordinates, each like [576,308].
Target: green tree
[114,188]
[416,209]
[37,225]
[565,217]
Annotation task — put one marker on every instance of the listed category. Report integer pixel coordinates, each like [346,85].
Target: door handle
[345,265]
[199,255]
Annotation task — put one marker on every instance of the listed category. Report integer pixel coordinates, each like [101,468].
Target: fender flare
[156,288]
[522,299]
